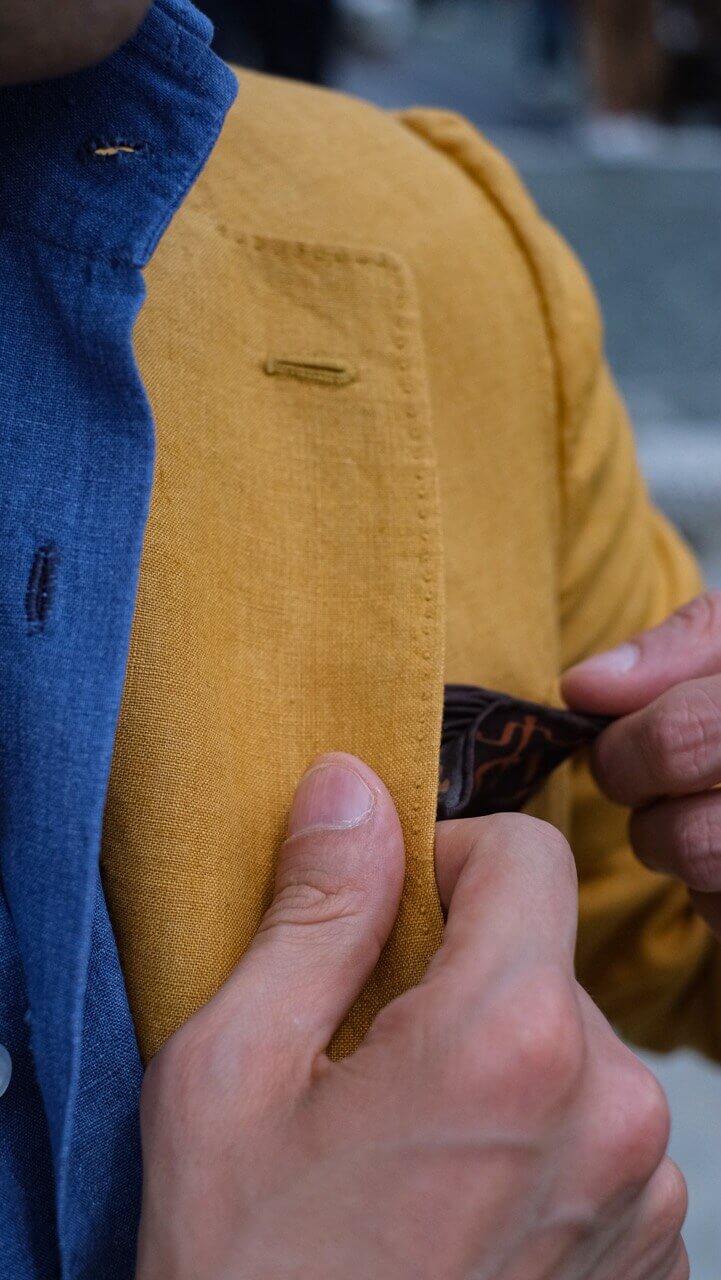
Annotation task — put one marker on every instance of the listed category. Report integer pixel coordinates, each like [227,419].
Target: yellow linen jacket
[390,455]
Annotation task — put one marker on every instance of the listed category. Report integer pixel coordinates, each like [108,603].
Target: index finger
[509,885]
[686,646]
[670,748]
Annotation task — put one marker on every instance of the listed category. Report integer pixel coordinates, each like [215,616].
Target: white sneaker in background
[378,28]
[624,139]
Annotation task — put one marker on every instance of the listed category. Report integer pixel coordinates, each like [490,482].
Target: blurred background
[611,109]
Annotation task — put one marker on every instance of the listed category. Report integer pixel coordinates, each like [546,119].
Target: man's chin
[53,38]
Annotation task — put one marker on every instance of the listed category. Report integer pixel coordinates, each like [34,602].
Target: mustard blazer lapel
[290,600]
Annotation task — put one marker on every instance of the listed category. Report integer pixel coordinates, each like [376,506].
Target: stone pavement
[650,236]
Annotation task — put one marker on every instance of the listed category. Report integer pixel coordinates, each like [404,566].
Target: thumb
[627,678]
[337,890]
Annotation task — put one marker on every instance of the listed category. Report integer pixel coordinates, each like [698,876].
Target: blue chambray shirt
[79,218]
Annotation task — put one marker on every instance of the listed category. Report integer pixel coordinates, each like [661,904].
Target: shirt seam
[29,233]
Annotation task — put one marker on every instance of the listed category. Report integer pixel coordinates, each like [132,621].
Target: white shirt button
[6,1069]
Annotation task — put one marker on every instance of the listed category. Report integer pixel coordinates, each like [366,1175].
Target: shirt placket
[94,167]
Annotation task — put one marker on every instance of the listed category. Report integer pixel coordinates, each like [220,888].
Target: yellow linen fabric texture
[322,554]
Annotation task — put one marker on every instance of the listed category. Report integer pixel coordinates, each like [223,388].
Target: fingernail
[329,796]
[614,662]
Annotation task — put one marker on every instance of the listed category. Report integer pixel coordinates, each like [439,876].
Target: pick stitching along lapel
[295,535]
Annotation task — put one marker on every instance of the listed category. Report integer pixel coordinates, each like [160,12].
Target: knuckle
[498,828]
[682,731]
[507,828]
[669,1203]
[316,898]
[682,1268]
[661,1219]
[547,845]
[638,1133]
[696,835]
[539,1040]
[554,848]
[702,615]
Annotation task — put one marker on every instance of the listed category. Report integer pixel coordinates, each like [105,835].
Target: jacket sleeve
[644,955]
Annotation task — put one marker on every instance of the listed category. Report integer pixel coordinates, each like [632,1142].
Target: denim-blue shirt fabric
[92,168]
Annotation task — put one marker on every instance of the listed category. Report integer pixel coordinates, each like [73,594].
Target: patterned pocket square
[497,751]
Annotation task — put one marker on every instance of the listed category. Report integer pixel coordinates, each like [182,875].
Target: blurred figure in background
[626,69]
[624,57]
[649,62]
[691,34]
[551,31]
[291,38]
[550,45]
[378,28]
[646,62]
[294,37]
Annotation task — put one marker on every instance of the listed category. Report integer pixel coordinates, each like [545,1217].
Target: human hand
[489,1126]
[663,758]
[44,38]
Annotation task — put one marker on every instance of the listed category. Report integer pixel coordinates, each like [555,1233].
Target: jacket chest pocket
[290,603]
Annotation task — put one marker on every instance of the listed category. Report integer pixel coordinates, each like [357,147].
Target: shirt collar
[99,161]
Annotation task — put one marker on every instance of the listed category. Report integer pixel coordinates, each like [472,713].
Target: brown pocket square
[497,751]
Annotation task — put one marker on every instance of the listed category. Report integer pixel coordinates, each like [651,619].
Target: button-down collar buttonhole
[115,149]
